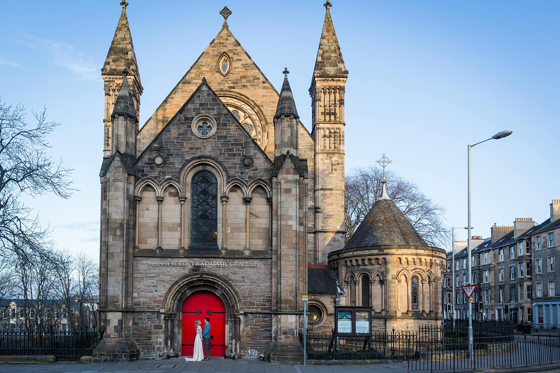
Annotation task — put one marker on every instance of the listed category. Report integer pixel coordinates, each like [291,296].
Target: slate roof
[321,281]
[547,225]
[329,62]
[286,103]
[385,225]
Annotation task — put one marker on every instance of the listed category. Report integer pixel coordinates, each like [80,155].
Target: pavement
[215,365]
[220,365]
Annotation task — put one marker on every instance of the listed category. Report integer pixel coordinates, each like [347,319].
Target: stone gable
[177,143]
[244,79]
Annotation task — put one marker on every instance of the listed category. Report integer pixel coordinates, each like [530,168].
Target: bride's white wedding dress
[198,353]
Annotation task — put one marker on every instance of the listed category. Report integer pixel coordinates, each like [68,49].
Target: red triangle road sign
[469,290]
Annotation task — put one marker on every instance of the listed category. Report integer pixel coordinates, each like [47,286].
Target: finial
[124,4]
[204,80]
[384,162]
[225,13]
[327,5]
[285,72]
[125,72]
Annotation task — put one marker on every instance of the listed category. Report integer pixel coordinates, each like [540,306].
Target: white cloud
[66,56]
[9,63]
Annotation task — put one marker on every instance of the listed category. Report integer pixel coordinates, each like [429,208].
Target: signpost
[469,290]
[305,298]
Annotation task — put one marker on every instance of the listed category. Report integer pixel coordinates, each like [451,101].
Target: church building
[223,205]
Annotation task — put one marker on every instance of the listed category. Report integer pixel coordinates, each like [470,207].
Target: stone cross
[124,4]
[225,13]
[285,72]
[384,162]
[327,5]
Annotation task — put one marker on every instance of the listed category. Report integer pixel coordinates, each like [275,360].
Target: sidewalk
[215,365]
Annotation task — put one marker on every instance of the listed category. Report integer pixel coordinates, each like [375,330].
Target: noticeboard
[352,320]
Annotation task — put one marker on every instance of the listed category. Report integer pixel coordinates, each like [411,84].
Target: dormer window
[224,64]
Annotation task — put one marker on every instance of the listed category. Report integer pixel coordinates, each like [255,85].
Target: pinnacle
[330,62]
[286,103]
[124,104]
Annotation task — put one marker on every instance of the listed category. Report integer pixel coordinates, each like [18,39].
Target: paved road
[215,365]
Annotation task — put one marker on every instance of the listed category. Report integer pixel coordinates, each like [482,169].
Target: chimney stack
[500,231]
[521,225]
[555,210]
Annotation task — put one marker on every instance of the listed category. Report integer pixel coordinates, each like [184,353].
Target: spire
[124,104]
[121,53]
[329,61]
[286,103]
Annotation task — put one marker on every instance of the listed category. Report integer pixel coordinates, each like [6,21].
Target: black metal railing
[66,346]
[488,353]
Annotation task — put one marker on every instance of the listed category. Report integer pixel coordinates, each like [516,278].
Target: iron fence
[66,346]
[488,353]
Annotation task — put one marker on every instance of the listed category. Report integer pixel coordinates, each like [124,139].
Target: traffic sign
[468,290]
[305,297]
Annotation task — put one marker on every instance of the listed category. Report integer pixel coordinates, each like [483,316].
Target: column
[224,200]
[247,201]
[137,200]
[182,200]
[159,200]
[424,307]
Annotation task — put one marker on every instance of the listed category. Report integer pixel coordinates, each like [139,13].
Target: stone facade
[222,191]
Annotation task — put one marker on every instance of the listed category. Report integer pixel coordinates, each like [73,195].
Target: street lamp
[499,135]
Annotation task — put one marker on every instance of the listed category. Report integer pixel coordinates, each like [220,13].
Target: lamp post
[499,135]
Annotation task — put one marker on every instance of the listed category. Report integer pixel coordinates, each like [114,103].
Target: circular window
[204,126]
[315,314]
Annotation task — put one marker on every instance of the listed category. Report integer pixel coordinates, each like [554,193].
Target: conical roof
[124,104]
[385,225]
[286,103]
[329,62]
[121,53]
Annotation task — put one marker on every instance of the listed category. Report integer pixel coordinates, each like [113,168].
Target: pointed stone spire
[286,103]
[124,105]
[121,53]
[329,62]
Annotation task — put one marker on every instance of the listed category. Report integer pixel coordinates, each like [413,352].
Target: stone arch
[147,215]
[177,294]
[236,182]
[420,273]
[170,181]
[145,182]
[403,273]
[262,183]
[188,171]
[170,215]
[260,226]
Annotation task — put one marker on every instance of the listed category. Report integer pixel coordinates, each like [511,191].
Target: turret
[286,121]
[327,102]
[124,121]
[120,56]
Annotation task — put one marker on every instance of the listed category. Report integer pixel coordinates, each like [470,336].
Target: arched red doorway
[196,307]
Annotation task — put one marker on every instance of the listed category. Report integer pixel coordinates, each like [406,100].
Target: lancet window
[204,211]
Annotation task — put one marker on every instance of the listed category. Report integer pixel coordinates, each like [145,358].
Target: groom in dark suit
[206,337]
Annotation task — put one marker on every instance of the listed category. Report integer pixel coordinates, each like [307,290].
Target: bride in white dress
[198,353]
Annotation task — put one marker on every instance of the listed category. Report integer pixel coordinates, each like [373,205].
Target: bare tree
[363,189]
[87,287]
[25,168]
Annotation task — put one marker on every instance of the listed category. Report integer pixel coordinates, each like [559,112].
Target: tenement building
[223,205]
[515,273]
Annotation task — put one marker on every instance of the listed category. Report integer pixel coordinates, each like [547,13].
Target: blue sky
[426,79]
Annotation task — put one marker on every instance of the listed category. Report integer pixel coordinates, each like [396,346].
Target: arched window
[414,294]
[366,291]
[204,211]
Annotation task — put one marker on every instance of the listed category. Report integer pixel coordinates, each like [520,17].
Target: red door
[198,306]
